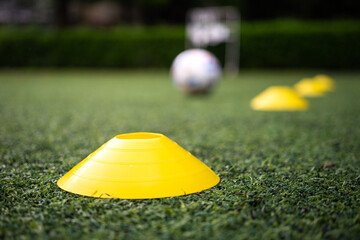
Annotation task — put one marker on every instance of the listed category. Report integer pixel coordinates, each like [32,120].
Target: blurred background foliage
[150,33]
[265,44]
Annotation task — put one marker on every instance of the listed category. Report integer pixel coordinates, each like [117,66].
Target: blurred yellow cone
[326,82]
[307,87]
[279,98]
[139,166]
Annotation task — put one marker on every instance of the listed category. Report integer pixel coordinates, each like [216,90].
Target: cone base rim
[105,195]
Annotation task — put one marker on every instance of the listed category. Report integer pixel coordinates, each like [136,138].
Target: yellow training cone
[326,82]
[139,166]
[309,88]
[279,98]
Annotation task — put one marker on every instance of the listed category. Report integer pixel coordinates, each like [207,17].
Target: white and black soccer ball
[195,71]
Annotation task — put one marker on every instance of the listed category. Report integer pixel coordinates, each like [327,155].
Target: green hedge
[301,44]
[263,44]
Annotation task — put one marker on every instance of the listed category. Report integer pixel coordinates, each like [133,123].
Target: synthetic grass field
[274,184]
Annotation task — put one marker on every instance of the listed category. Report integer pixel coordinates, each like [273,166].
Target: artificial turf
[274,184]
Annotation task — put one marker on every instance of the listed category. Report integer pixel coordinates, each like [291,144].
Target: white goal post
[214,25]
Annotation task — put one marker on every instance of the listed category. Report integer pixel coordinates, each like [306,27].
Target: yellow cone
[139,166]
[326,82]
[307,87]
[279,98]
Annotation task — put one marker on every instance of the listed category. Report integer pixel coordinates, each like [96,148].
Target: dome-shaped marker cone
[279,98]
[139,166]
[326,83]
[307,87]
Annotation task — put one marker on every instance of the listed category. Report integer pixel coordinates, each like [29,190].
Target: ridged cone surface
[307,87]
[326,83]
[139,166]
[279,98]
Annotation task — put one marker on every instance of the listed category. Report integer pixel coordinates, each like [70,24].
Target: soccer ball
[195,71]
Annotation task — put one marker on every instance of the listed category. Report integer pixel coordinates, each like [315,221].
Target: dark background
[172,11]
[64,12]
